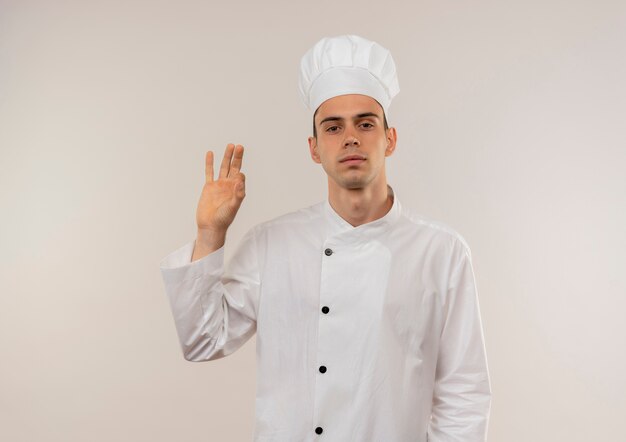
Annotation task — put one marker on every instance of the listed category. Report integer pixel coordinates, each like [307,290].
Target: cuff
[177,266]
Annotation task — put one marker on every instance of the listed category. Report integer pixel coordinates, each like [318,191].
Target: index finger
[235,166]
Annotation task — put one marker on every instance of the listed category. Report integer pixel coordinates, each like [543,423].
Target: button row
[325,310]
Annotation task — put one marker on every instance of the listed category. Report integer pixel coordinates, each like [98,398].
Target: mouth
[353,159]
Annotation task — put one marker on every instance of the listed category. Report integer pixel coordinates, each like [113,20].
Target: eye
[367,125]
[332,129]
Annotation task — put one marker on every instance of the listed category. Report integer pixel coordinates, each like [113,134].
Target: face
[352,126]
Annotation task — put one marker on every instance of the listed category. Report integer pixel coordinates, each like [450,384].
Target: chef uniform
[367,333]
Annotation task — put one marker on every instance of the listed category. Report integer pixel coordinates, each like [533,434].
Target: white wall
[511,129]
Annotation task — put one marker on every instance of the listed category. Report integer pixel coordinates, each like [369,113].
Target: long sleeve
[462,391]
[214,307]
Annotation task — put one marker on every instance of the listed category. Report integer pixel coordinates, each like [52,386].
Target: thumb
[239,188]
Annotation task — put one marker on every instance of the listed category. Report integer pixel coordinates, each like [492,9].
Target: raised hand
[220,199]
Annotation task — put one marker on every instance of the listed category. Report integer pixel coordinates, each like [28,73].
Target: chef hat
[347,64]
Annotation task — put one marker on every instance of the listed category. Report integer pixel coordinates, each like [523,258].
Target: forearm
[195,292]
[214,308]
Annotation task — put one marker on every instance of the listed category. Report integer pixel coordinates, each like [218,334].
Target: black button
[328,252]
[322,369]
[319,430]
[325,309]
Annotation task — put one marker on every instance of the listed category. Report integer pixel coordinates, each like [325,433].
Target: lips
[352,157]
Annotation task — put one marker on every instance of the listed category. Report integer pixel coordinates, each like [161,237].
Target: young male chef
[366,313]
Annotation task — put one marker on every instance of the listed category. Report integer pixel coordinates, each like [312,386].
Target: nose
[351,140]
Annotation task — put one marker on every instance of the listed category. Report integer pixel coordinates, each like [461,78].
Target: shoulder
[437,229]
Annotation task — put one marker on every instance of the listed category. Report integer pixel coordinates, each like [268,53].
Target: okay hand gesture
[220,199]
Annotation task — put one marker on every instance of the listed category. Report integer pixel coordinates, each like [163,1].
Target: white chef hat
[347,64]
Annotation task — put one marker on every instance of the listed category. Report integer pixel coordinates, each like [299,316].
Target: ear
[392,139]
[315,156]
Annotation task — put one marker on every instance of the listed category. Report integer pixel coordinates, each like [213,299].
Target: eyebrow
[356,117]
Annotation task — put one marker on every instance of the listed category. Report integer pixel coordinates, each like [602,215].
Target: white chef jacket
[367,333]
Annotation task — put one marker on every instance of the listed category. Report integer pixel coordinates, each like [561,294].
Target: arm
[214,309]
[462,391]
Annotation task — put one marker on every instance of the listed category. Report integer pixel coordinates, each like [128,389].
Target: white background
[511,123]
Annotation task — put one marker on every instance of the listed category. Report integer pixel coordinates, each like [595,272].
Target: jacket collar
[339,226]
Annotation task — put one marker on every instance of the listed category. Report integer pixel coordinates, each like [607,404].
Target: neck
[361,206]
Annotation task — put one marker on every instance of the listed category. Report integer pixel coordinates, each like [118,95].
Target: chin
[355,180]
[354,184]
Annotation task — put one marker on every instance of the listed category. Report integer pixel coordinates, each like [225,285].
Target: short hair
[315,129]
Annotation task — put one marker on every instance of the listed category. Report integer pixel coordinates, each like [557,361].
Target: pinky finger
[208,171]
